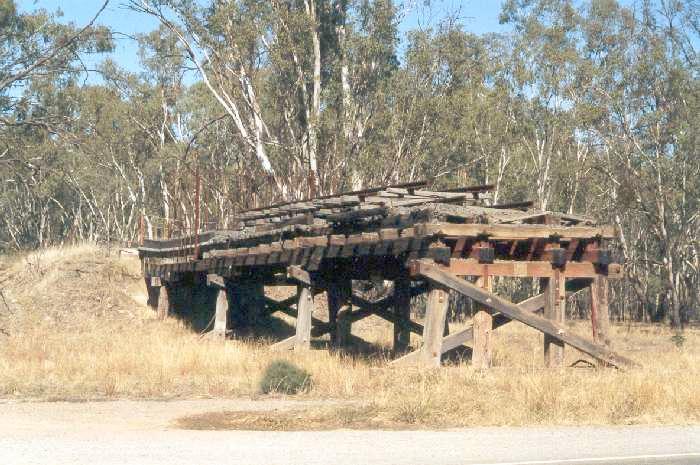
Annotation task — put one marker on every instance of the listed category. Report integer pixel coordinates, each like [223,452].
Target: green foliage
[587,107]
[283,377]
[678,339]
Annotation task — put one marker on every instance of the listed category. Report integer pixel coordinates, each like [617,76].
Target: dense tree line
[586,106]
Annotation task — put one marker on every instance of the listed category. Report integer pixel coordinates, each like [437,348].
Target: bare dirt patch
[315,419]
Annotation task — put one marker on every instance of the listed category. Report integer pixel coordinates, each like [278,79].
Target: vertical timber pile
[482,351]
[248,301]
[599,310]
[402,310]
[223,303]
[164,302]
[153,292]
[554,309]
[254,303]
[435,316]
[305,307]
[339,291]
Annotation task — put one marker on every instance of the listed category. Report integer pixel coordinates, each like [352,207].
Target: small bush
[283,377]
[678,339]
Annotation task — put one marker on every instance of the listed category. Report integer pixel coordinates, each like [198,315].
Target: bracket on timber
[214,280]
[512,311]
[297,273]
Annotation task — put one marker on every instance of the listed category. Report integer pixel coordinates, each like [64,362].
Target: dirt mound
[69,286]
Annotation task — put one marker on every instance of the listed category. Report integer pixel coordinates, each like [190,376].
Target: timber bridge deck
[425,241]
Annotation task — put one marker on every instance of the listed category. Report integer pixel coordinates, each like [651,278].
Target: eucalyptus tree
[641,76]
[289,74]
[618,87]
[39,67]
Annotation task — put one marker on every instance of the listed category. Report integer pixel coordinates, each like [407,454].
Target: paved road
[138,433]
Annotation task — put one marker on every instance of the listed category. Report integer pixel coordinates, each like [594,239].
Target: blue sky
[478,16]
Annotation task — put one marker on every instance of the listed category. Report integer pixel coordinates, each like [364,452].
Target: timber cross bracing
[423,240]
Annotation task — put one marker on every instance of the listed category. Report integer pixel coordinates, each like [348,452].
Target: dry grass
[77,328]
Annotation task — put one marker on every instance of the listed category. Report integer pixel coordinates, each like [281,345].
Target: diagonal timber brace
[380,308]
[319,328]
[514,312]
[466,336]
[367,308]
[532,304]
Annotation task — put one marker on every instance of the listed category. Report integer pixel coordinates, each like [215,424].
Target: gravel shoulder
[142,432]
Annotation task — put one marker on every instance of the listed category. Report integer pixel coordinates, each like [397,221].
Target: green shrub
[283,377]
[678,339]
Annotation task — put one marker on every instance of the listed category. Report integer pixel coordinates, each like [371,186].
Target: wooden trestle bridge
[424,241]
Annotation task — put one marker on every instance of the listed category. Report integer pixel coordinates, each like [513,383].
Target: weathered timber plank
[524,204]
[362,192]
[285,344]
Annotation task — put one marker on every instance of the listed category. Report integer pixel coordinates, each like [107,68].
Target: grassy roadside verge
[77,328]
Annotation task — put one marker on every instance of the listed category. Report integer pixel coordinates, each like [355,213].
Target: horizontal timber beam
[526,269]
[516,231]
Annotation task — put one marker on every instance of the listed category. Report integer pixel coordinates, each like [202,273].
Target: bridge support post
[163,308]
[554,309]
[402,310]
[152,291]
[252,302]
[482,351]
[305,307]
[339,291]
[600,317]
[223,304]
[435,316]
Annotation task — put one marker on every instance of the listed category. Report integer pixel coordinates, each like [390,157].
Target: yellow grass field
[74,325]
